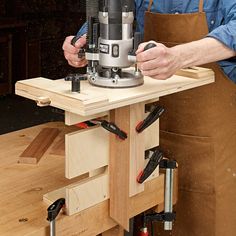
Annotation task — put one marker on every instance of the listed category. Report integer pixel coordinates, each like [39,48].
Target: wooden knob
[43,101]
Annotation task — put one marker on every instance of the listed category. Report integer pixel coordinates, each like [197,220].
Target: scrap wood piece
[34,152]
[195,72]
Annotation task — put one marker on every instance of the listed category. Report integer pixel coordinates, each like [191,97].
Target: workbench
[98,198]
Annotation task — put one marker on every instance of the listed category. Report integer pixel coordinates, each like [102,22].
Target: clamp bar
[150,119]
[111,127]
[53,211]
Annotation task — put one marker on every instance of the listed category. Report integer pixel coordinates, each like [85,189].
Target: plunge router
[111,44]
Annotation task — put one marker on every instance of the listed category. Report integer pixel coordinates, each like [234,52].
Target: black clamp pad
[168,164]
[164,217]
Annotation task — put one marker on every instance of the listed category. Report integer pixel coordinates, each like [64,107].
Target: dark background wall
[47,23]
[31,37]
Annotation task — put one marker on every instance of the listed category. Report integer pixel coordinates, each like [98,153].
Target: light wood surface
[89,192]
[93,100]
[33,153]
[22,199]
[72,119]
[195,72]
[119,168]
[137,147]
[116,231]
[81,195]
[86,150]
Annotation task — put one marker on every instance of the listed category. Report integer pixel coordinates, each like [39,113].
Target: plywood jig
[110,190]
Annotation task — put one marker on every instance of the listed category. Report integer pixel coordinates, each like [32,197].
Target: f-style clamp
[53,211]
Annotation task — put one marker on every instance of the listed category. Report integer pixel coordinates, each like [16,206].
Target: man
[220,43]
[199,126]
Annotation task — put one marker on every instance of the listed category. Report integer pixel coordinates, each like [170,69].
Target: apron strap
[150,5]
[200,7]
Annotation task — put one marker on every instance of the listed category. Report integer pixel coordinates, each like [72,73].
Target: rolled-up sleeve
[226,33]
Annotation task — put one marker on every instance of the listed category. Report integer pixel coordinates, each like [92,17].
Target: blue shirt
[221,18]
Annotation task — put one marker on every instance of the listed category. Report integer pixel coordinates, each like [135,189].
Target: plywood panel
[152,136]
[87,193]
[86,150]
[93,100]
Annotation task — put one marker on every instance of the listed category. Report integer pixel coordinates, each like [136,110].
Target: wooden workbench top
[22,210]
[22,186]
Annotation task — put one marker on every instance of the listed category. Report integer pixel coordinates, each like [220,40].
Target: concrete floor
[18,113]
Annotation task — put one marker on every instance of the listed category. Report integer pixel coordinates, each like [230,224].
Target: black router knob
[149,46]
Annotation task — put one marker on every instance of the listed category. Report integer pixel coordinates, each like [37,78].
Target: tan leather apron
[199,131]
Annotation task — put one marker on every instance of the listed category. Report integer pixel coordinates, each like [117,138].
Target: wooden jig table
[108,194]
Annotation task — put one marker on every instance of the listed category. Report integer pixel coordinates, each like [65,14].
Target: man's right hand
[71,52]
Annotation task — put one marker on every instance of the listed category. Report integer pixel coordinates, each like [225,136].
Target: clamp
[53,210]
[152,164]
[111,127]
[150,119]
[168,216]
[169,165]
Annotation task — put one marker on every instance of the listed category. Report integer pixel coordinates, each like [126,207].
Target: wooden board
[195,72]
[33,153]
[137,148]
[119,168]
[87,193]
[86,150]
[72,119]
[93,100]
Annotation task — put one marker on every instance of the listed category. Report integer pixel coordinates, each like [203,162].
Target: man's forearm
[201,52]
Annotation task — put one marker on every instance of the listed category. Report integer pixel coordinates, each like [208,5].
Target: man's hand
[158,62]
[71,52]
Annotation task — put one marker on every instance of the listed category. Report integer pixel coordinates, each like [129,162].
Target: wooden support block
[126,161]
[39,146]
[83,194]
[116,231]
[119,168]
[72,118]
[195,72]
[137,148]
[87,193]
[86,150]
